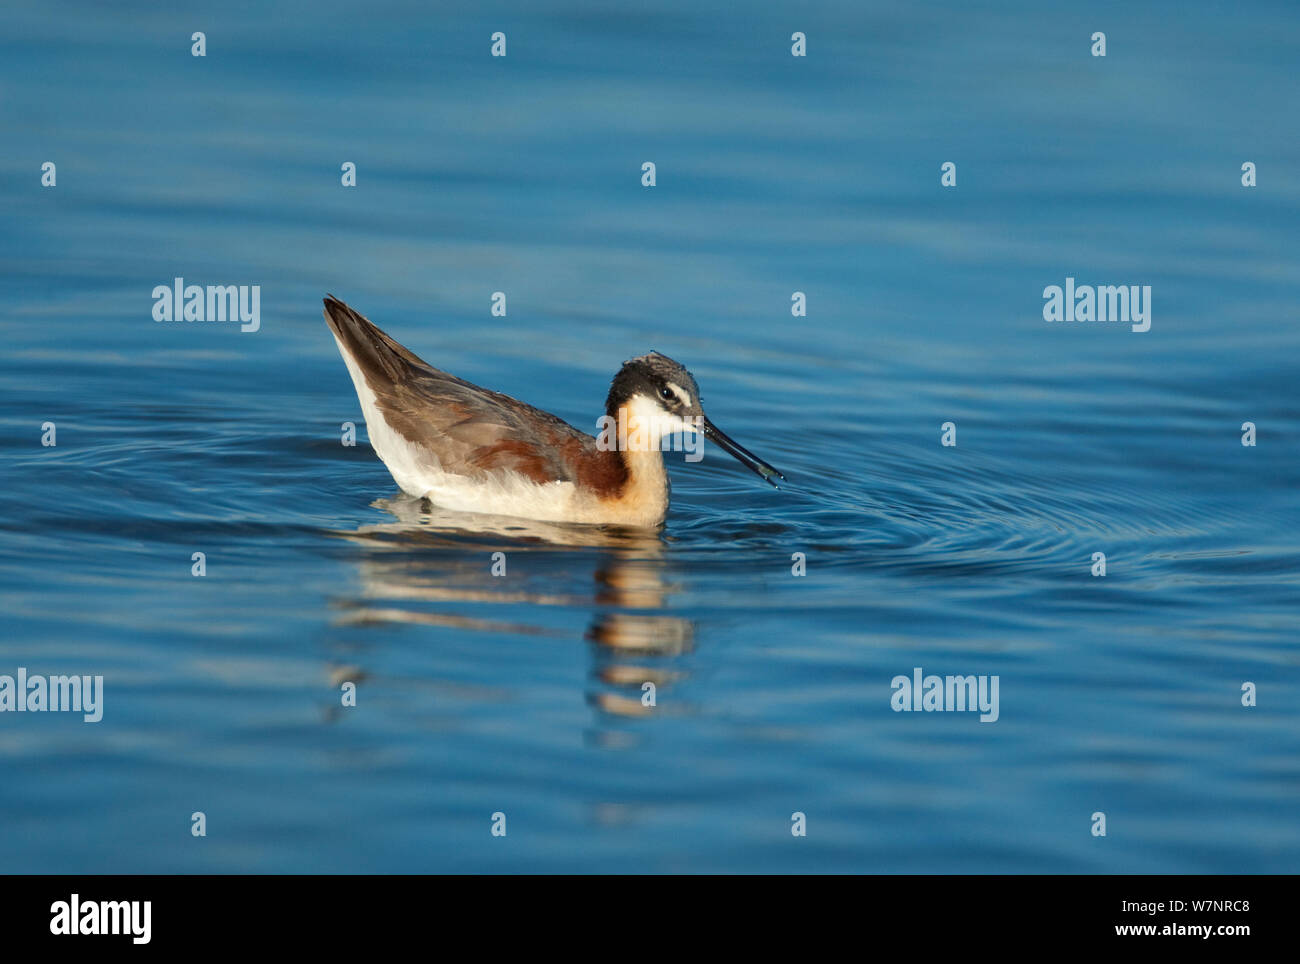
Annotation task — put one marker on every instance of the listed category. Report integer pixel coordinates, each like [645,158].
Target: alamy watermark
[1127,304]
[181,302]
[53,694]
[946,694]
[75,916]
[646,433]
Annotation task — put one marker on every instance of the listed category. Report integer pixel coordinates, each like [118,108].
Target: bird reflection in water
[410,568]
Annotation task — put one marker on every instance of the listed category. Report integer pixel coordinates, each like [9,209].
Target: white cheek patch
[675,423]
[643,425]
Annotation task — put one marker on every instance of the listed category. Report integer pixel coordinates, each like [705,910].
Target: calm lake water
[521,694]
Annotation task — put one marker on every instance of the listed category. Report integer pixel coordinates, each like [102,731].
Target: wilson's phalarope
[473,450]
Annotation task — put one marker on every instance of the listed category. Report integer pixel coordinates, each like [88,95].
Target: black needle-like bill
[742,454]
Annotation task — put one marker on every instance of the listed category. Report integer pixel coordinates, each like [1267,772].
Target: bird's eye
[666,394]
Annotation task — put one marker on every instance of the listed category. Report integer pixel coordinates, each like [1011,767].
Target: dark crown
[646,375]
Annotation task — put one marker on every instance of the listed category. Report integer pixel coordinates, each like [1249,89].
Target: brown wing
[472,431]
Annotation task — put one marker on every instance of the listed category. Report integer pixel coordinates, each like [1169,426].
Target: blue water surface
[522,694]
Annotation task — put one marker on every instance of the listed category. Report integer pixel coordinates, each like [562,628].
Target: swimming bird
[471,449]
